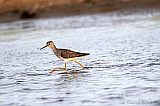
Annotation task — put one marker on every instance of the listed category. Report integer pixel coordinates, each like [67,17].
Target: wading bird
[65,54]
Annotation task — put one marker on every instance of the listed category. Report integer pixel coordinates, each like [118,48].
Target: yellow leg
[65,66]
[79,64]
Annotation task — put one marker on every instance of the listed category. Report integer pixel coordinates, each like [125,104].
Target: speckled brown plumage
[65,54]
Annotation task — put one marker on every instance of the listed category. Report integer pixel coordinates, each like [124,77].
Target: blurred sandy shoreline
[12,10]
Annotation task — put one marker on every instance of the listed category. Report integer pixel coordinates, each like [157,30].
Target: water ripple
[123,64]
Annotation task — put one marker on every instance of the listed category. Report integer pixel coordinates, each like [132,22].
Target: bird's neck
[54,48]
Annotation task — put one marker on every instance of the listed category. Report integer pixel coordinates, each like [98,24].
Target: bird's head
[48,44]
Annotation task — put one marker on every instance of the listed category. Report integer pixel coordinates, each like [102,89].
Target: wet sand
[10,10]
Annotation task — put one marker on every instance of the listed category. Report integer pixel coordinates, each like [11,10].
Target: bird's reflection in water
[69,74]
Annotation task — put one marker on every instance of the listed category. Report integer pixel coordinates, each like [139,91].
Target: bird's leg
[79,64]
[65,66]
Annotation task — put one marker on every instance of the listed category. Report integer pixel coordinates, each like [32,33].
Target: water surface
[123,68]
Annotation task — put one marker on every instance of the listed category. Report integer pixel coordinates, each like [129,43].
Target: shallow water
[123,68]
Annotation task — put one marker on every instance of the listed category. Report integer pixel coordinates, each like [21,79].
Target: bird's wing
[66,53]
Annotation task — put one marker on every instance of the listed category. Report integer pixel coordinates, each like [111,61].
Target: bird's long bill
[43,47]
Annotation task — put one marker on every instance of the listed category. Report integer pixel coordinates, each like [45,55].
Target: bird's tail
[82,54]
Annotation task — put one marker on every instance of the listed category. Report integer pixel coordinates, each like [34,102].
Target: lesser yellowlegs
[65,54]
